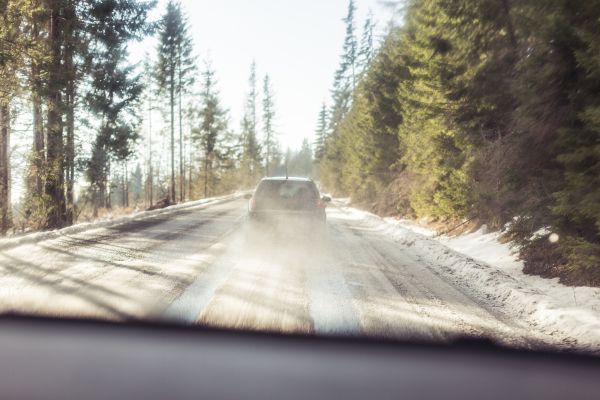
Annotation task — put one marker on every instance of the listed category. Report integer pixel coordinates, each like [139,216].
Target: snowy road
[201,265]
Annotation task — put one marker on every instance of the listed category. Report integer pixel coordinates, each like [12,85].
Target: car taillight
[320,204]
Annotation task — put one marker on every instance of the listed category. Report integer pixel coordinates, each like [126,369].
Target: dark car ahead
[285,202]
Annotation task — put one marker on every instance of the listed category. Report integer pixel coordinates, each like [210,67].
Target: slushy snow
[492,271]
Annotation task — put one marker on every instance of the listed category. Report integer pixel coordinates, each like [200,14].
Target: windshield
[419,170]
[285,194]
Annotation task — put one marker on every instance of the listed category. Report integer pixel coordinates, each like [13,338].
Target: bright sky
[298,43]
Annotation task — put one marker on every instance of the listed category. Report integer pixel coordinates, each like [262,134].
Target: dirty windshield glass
[416,170]
[286,193]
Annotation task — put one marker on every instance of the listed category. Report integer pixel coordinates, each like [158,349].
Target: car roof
[291,178]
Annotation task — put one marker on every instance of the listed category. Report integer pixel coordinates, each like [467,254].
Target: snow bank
[110,222]
[492,271]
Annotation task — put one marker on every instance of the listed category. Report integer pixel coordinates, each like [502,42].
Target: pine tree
[252,100]
[482,109]
[226,177]
[580,153]
[367,45]
[59,43]
[301,163]
[268,120]
[10,61]
[173,70]
[560,137]
[277,163]
[213,125]
[345,76]
[5,181]
[367,137]
[321,134]
[251,160]
[345,81]
[477,62]
[63,36]
[35,187]
[137,186]
[350,57]
[251,151]
[72,71]
[149,92]
[186,70]
[54,184]
[114,95]
[434,148]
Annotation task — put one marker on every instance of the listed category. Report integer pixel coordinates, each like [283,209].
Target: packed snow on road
[201,263]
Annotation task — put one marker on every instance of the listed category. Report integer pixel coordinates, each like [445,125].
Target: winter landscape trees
[480,110]
[466,110]
[66,76]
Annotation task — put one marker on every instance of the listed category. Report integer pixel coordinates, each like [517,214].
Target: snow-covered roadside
[109,222]
[490,268]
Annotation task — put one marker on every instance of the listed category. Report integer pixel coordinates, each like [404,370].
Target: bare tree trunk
[125,185]
[70,115]
[5,217]
[54,187]
[95,201]
[39,142]
[123,201]
[108,186]
[172,196]
[190,165]
[206,161]
[267,161]
[39,145]
[70,150]
[100,200]
[150,184]
[181,165]
[158,182]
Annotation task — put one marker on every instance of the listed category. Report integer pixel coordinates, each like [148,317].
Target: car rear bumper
[288,218]
[290,227]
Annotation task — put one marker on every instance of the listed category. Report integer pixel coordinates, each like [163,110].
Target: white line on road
[331,305]
[195,298]
[188,306]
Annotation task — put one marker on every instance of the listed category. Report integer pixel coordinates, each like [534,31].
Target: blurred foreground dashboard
[59,359]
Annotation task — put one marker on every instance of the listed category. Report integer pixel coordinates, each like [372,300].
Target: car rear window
[286,189]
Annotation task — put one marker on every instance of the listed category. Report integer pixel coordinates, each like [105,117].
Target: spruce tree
[345,77]
[345,81]
[370,132]
[213,125]
[350,54]
[367,45]
[321,134]
[434,148]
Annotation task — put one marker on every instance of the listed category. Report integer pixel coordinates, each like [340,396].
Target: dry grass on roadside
[106,213]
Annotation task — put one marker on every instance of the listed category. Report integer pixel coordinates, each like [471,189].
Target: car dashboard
[73,359]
